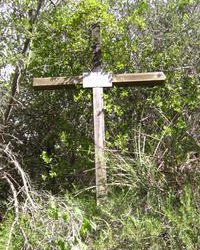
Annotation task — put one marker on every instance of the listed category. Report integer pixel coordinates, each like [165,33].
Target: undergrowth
[143,212]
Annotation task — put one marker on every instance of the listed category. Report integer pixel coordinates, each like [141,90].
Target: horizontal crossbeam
[119,80]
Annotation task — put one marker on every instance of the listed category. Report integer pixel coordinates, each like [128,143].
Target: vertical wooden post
[99,138]
[99,124]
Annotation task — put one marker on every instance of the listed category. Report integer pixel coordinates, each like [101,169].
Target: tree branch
[20,65]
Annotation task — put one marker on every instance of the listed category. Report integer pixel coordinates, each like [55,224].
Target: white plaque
[97,79]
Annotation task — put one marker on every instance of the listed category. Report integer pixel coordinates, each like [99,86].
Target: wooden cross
[97,80]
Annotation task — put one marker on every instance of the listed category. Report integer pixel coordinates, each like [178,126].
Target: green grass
[124,223]
[144,211]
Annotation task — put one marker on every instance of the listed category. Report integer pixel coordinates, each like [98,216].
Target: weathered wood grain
[119,80]
[51,83]
[139,79]
[99,141]
[99,123]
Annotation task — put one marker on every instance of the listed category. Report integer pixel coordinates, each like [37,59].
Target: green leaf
[86,227]
[45,157]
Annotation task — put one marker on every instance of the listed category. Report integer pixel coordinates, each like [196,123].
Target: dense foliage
[152,134]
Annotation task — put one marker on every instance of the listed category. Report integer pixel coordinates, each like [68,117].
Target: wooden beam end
[52,83]
[139,79]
